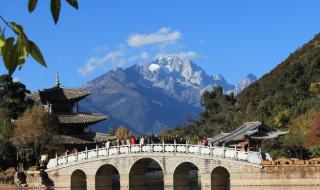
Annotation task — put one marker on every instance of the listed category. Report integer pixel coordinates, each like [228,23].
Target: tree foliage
[220,113]
[123,132]
[7,152]
[12,96]
[34,130]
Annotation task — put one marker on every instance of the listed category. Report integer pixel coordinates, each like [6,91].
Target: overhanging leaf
[73,3]
[36,53]
[18,29]
[55,9]
[9,55]
[21,51]
[32,5]
[2,40]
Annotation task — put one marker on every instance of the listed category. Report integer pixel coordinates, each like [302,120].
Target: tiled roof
[64,93]
[254,130]
[57,94]
[34,97]
[82,139]
[88,118]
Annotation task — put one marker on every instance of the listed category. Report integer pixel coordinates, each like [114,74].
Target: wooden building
[248,136]
[74,125]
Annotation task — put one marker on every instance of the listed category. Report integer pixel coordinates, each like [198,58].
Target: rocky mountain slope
[151,97]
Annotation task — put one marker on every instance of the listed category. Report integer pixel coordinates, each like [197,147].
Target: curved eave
[81,119]
[64,93]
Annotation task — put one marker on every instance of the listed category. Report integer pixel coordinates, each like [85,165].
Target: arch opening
[186,176]
[78,180]
[220,179]
[107,178]
[146,174]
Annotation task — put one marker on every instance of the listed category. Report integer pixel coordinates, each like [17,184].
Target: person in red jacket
[132,140]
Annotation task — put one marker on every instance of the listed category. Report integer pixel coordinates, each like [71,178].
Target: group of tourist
[154,139]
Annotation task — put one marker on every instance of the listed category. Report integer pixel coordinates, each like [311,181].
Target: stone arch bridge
[159,166]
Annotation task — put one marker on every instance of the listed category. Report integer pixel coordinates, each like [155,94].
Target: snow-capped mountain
[250,78]
[150,97]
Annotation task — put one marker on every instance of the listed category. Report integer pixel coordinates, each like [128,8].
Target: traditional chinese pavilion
[74,125]
[249,135]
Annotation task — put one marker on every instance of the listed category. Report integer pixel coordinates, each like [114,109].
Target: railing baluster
[221,151]
[163,146]
[97,151]
[57,159]
[86,153]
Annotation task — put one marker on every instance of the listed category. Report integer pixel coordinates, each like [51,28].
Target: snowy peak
[249,79]
[175,69]
[154,67]
[218,77]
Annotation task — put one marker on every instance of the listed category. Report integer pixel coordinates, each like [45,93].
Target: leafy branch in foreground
[15,50]
[55,7]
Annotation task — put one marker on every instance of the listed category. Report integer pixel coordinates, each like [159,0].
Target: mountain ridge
[151,97]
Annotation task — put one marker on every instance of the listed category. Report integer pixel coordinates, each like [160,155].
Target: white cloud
[164,35]
[186,55]
[95,62]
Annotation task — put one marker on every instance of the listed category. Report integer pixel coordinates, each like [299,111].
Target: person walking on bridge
[132,140]
[142,140]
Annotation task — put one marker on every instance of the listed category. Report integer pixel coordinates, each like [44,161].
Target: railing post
[175,146]
[76,155]
[97,150]
[87,152]
[235,151]
[57,159]
[66,156]
[199,144]
[129,147]
[187,147]
[223,151]
[163,146]
[118,149]
[151,146]
[210,146]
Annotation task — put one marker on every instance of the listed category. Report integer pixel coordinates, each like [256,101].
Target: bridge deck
[166,149]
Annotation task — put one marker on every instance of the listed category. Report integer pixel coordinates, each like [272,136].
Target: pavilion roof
[61,93]
[91,138]
[252,130]
[81,118]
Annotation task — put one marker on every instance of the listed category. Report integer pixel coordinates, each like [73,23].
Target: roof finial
[57,80]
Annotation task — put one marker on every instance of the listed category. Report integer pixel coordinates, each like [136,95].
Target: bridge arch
[78,180]
[186,175]
[220,178]
[146,173]
[107,178]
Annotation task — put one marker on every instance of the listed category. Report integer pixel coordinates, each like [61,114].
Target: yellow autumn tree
[123,132]
[34,130]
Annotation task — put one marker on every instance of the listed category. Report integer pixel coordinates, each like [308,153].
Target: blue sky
[231,37]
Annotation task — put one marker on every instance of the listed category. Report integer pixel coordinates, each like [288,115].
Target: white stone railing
[224,152]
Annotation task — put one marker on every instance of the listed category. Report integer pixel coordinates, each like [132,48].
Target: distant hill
[154,96]
[286,98]
[285,88]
